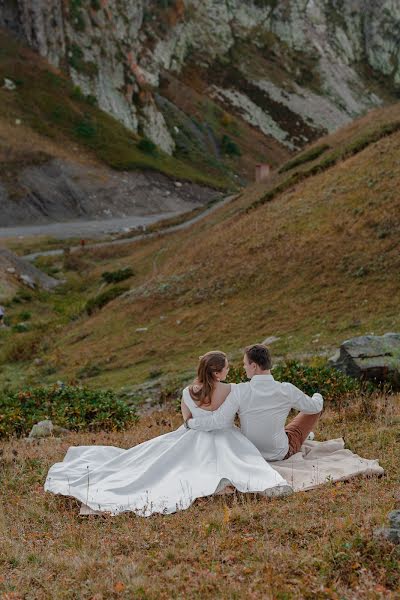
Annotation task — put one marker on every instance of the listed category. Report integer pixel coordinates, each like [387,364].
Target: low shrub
[304,157]
[229,147]
[85,128]
[147,146]
[20,327]
[76,408]
[25,315]
[104,298]
[117,276]
[334,385]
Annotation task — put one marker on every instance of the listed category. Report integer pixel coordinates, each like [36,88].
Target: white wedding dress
[164,474]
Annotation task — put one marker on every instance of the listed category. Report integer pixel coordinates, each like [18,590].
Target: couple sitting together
[207,454]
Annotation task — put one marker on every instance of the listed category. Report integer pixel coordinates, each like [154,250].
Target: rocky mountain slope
[62,158]
[194,76]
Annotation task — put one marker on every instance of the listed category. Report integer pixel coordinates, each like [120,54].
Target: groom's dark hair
[259,354]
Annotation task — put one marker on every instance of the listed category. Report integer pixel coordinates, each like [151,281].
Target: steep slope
[203,79]
[61,157]
[313,266]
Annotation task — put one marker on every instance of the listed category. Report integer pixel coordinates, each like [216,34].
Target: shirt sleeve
[300,401]
[220,418]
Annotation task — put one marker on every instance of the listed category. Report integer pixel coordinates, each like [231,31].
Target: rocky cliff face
[291,69]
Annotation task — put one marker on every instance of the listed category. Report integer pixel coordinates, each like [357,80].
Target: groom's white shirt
[263,405]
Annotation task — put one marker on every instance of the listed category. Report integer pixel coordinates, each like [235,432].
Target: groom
[263,405]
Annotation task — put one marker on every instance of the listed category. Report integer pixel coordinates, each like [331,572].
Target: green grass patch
[104,298]
[117,276]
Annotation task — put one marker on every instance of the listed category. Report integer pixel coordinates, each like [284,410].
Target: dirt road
[127,224]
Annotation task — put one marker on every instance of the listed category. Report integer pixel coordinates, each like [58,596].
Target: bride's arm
[220,418]
[186,414]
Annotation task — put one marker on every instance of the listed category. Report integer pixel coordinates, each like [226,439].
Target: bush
[331,383]
[20,327]
[73,407]
[104,298]
[117,276]
[147,146]
[85,128]
[304,157]
[229,147]
[24,315]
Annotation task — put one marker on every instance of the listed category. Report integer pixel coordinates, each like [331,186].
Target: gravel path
[92,228]
[127,223]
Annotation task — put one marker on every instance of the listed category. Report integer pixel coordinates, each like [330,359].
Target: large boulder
[370,357]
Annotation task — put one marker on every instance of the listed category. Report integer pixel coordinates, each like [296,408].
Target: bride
[169,472]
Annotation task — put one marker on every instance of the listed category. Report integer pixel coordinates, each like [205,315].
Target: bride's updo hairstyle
[203,386]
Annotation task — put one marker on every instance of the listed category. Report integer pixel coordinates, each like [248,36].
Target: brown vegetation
[315,544]
[320,260]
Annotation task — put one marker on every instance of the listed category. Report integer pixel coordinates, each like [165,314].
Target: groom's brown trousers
[298,429]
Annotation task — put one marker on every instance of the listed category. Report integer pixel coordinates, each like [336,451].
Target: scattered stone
[9,85]
[141,329]
[18,121]
[38,362]
[394,519]
[178,184]
[27,280]
[370,357]
[13,264]
[45,429]
[270,340]
[42,429]
[178,322]
[392,533]
[387,533]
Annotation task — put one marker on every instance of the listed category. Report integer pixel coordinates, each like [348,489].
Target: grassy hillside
[316,544]
[314,265]
[59,120]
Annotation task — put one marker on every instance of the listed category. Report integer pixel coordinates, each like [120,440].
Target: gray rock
[27,273]
[42,429]
[333,37]
[386,533]
[370,357]
[394,519]
[9,85]
[27,280]
[45,429]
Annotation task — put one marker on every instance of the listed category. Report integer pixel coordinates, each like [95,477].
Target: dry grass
[314,544]
[314,267]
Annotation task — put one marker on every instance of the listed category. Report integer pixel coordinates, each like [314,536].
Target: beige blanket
[322,462]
